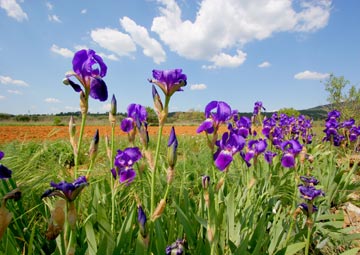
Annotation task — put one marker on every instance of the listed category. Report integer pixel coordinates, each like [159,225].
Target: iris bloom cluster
[309,192]
[135,120]
[124,162]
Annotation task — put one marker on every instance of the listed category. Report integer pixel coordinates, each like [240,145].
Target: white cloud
[106,107]
[140,35]
[200,86]
[309,75]
[9,80]
[54,18]
[212,31]
[13,9]
[2,97]
[83,11]
[52,100]
[264,64]
[16,92]
[114,40]
[72,108]
[49,6]
[62,51]
[225,60]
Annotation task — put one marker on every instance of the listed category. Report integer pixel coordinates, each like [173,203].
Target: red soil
[39,133]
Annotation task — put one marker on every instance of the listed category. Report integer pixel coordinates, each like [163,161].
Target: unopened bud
[157,102]
[159,210]
[113,110]
[83,103]
[172,149]
[205,180]
[94,146]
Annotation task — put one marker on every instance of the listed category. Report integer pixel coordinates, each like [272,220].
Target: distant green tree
[57,121]
[347,102]
[151,116]
[289,112]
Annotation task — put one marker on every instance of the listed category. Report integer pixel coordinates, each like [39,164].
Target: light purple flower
[135,113]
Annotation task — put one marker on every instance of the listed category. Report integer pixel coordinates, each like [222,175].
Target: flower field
[231,185]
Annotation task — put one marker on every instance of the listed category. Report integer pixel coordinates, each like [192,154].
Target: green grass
[250,214]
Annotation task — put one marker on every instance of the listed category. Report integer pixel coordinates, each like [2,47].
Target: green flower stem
[307,244]
[83,121]
[153,173]
[111,177]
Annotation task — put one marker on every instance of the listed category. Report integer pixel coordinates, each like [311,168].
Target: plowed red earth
[39,133]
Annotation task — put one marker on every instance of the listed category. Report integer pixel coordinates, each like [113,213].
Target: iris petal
[5,172]
[98,89]
[223,160]
[127,175]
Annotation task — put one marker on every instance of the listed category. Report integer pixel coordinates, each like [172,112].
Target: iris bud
[113,110]
[172,149]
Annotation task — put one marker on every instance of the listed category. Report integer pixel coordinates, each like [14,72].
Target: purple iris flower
[244,126]
[257,107]
[305,208]
[269,155]
[291,148]
[229,144]
[5,173]
[216,113]
[309,192]
[124,161]
[255,148]
[309,180]
[175,248]
[135,113]
[66,190]
[169,81]
[89,69]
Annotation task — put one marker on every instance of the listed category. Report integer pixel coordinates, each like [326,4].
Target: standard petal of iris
[127,125]
[79,58]
[98,89]
[223,160]
[288,160]
[207,126]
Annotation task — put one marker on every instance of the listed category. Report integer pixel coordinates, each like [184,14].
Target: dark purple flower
[216,113]
[172,148]
[5,173]
[176,248]
[169,81]
[257,107]
[305,208]
[142,220]
[243,126]
[291,149]
[229,144]
[135,112]
[88,69]
[66,190]
[124,161]
[309,192]
[309,180]
[269,155]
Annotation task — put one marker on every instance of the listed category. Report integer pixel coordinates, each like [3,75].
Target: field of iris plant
[264,186]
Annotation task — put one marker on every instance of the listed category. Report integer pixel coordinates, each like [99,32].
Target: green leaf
[90,238]
[294,248]
[185,222]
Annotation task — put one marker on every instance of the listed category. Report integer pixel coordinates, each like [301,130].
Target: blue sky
[237,51]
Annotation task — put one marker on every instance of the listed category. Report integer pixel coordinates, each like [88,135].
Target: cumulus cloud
[54,18]
[83,11]
[13,9]
[264,64]
[212,32]
[226,60]
[52,100]
[2,97]
[309,75]
[62,51]
[113,40]
[140,35]
[11,81]
[200,86]
[16,92]
[49,6]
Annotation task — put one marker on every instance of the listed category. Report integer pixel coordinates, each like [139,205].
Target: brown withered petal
[5,218]
[159,210]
